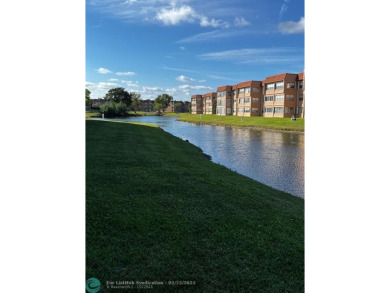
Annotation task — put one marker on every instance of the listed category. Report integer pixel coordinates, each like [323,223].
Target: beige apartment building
[224,100]
[196,104]
[247,99]
[281,95]
[209,103]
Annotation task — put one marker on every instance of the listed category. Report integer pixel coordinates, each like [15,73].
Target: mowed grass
[235,121]
[92,114]
[158,210]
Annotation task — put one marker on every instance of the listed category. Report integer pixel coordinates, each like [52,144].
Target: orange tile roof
[274,78]
[301,76]
[248,83]
[224,88]
[209,94]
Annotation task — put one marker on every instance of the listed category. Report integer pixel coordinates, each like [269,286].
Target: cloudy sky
[188,47]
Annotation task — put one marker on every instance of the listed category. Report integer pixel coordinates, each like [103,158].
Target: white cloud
[205,22]
[113,79]
[125,73]
[257,55]
[291,27]
[240,22]
[283,8]
[175,15]
[182,48]
[104,70]
[194,87]
[216,35]
[202,80]
[183,78]
[130,83]
[99,90]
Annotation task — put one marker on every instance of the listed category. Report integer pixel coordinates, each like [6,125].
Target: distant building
[196,104]
[96,103]
[146,105]
[209,103]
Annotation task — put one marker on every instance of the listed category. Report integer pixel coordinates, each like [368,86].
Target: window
[229,110]
[241,91]
[279,85]
[301,97]
[291,85]
[240,110]
[247,110]
[233,93]
[247,90]
[290,97]
[300,110]
[255,99]
[240,101]
[255,110]
[269,110]
[247,100]
[279,98]
[278,110]
[270,86]
[229,102]
[255,90]
[268,98]
[301,84]
[221,94]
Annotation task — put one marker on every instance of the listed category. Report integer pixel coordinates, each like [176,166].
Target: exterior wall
[282,98]
[209,103]
[248,99]
[224,100]
[300,111]
[196,104]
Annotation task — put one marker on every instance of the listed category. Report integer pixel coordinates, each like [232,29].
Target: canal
[271,157]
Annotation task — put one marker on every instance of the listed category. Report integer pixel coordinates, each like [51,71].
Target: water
[270,157]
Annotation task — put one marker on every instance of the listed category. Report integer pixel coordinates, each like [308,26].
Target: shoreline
[255,128]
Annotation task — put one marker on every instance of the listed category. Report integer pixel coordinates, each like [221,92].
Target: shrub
[114,109]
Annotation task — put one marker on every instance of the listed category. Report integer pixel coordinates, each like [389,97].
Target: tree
[119,94]
[164,100]
[136,102]
[87,97]
[157,106]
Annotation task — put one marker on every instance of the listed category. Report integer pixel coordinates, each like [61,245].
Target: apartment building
[247,97]
[209,103]
[224,100]
[280,95]
[196,104]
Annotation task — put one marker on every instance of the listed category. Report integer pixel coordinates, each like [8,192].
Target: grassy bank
[235,121]
[157,209]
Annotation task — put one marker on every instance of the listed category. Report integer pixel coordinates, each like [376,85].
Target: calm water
[270,157]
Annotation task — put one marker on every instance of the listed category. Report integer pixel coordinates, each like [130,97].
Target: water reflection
[273,158]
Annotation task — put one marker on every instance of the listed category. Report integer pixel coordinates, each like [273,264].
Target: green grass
[92,114]
[158,210]
[257,122]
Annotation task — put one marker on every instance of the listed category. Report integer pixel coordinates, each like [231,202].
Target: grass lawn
[158,210]
[92,114]
[261,122]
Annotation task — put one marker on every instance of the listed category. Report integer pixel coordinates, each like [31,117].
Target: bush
[114,109]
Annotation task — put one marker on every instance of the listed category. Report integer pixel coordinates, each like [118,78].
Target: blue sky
[189,47]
